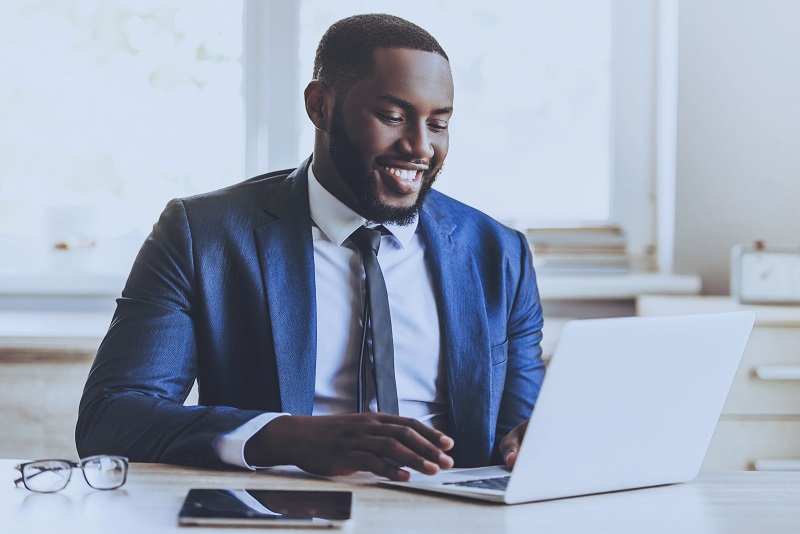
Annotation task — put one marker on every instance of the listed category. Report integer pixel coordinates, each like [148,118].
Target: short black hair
[345,52]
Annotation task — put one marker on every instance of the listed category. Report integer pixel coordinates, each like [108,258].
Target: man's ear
[318,100]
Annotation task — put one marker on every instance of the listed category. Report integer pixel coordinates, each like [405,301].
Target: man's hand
[332,445]
[509,446]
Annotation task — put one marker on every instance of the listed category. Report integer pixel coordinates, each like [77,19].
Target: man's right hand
[333,445]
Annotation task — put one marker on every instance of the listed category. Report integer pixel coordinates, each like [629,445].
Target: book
[599,249]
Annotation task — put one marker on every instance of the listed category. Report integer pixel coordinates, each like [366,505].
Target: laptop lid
[627,403]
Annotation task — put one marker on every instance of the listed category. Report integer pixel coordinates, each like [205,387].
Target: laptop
[626,403]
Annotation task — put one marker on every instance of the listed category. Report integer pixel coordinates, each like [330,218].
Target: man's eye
[390,118]
[437,126]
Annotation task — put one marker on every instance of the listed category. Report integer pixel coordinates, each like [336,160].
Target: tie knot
[367,239]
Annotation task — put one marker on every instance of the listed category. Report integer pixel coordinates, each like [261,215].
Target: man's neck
[329,178]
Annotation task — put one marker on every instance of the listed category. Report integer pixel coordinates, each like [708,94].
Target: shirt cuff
[230,447]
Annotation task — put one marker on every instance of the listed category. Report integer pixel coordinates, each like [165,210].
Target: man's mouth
[407,175]
[404,180]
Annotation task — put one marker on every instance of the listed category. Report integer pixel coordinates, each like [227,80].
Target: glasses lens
[46,475]
[105,472]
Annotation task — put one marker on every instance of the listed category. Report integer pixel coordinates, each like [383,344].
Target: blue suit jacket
[223,290]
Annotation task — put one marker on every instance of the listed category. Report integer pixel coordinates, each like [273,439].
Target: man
[256,290]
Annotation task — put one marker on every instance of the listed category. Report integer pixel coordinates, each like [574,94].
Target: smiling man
[341,316]
[399,117]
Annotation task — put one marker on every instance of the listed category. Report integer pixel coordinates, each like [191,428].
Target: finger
[411,440]
[510,458]
[414,441]
[509,445]
[394,452]
[436,437]
[366,461]
[441,440]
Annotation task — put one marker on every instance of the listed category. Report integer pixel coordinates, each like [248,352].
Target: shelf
[766,315]
[70,284]
[52,331]
[615,286]
[551,287]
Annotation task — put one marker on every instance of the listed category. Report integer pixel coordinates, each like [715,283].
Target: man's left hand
[509,446]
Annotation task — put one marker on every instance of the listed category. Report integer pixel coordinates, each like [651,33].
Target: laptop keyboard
[495,483]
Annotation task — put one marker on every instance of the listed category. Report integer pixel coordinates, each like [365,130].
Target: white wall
[738,146]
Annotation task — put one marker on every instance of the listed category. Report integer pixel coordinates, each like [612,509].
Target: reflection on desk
[718,502]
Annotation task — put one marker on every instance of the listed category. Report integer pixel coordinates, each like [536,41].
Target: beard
[360,176]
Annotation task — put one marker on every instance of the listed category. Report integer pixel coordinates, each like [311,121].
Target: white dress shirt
[339,277]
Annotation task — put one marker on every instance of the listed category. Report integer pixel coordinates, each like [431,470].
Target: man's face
[388,134]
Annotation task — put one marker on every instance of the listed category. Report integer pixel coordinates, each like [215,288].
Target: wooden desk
[718,502]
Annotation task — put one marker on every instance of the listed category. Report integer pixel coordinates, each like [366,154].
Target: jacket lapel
[464,332]
[286,255]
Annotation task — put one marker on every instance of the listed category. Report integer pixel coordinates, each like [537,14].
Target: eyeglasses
[46,476]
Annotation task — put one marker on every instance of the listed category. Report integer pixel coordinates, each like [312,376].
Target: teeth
[402,173]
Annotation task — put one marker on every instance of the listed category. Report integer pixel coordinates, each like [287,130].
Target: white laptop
[626,403]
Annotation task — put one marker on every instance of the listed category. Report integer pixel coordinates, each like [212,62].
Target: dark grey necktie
[378,323]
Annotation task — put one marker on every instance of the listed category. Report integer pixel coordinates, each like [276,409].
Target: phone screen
[265,507]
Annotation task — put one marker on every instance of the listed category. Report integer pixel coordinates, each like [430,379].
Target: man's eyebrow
[409,106]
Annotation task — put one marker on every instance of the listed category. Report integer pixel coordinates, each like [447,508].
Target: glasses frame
[72,465]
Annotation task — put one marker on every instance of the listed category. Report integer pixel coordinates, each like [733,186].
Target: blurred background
[675,122]
[634,141]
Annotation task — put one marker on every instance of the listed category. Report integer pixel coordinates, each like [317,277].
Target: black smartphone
[265,508]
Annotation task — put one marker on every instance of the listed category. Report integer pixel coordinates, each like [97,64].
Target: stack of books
[579,250]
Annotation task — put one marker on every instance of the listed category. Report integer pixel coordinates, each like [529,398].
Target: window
[555,105]
[108,110]
[129,103]
[530,136]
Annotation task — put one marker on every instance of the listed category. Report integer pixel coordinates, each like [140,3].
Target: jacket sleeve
[525,371]
[132,404]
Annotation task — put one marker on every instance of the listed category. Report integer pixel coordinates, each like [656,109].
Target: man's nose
[416,142]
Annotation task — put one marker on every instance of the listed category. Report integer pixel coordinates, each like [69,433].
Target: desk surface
[718,502]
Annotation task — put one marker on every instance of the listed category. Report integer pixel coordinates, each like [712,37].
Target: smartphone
[265,508]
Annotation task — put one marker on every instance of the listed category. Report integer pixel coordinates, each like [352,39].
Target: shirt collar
[337,221]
